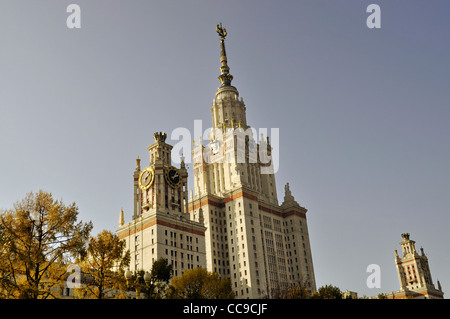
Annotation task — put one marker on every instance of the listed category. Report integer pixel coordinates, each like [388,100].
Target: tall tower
[161,226]
[261,246]
[414,273]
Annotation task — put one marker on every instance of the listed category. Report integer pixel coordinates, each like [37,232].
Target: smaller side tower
[414,273]
[161,226]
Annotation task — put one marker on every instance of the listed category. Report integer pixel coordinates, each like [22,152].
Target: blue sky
[363,114]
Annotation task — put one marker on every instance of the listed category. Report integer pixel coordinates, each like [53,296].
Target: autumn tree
[104,267]
[154,283]
[39,237]
[160,275]
[297,291]
[198,283]
[327,292]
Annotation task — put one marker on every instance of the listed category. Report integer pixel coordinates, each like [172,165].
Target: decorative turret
[121,218]
[397,258]
[289,200]
[408,246]
[160,151]
[160,136]
[138,164]
[137,191]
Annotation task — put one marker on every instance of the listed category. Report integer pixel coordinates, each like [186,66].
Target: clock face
[146,178]
[173,177]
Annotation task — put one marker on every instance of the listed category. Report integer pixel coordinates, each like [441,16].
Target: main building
[232,223]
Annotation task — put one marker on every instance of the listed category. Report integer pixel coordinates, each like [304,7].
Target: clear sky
[363,114]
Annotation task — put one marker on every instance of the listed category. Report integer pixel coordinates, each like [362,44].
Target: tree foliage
[160,275]
[161,271]
[154,283]
[38,237]
[198,283]
[104,266]
[296,292]
[327,292]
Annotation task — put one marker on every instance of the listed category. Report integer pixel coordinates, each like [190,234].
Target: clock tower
[161,186]
[161,226]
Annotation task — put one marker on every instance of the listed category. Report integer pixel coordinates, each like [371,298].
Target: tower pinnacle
[225,77]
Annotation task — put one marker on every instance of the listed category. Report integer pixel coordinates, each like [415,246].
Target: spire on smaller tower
[138,164]
[121,218]
[287,190]
[182,164]
[289,200]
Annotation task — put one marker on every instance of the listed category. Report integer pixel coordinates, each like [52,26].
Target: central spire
[225,77]
[227,110]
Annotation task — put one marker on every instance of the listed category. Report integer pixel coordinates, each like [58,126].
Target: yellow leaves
[104,265]
[198,283]
[36,236]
